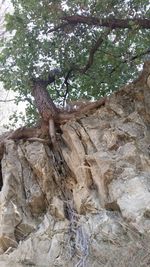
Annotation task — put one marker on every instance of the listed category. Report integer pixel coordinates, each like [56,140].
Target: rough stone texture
[88,203]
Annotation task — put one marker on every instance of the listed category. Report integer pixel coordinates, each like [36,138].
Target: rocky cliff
[86,204]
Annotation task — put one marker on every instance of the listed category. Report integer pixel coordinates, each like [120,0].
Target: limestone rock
[87,203]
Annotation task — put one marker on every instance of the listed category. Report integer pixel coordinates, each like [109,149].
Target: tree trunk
[45,106]
[43,101]
[50,113]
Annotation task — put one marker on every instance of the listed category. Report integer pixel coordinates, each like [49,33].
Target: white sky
[7,108]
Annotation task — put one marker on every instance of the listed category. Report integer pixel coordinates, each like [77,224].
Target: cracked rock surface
[88,203]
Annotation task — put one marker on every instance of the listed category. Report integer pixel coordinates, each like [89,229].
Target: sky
[7,107]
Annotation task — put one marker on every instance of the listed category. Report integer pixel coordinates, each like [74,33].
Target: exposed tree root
[64,116]
[44,131]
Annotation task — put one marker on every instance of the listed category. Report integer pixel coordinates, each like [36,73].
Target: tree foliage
[96,45]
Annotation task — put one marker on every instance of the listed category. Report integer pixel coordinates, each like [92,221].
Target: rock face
[88,202]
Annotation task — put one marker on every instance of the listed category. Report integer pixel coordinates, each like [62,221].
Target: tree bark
[45,106]
[43,101]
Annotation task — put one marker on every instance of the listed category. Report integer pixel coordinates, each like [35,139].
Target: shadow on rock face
[1,178]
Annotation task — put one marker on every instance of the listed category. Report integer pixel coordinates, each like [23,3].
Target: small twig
[67,86]
[58,27]
[20,100]
[5,101]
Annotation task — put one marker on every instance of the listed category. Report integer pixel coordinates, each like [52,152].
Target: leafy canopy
[93,60]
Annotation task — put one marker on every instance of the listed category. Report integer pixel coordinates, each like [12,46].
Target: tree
[72,49]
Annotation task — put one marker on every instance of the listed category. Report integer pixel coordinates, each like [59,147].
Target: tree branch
[93,50]
[112,23]
[130,59]
[140,55]
[58,27]
[67,86]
